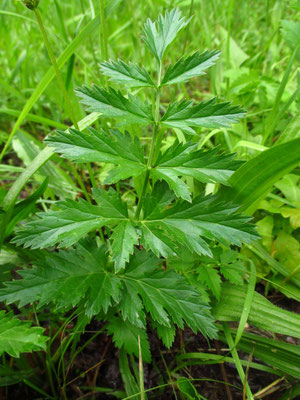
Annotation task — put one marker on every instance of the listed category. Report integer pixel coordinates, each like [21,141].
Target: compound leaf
[188,224]
[72,221]
[158,35]
[190,67]
[130,75]
[18,336]
[185,160]
[67,278]
[166,295]
[113,104]
[110,147]
[207,114]
[82,275]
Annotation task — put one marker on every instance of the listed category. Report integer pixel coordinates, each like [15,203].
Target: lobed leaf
[130,75]
[126,335]
[185,160]
[124,238]
[189,224]
[72,221]
[110,147]
[211,278]
[190,67]
[18,336]
[83,276]
[113,104]
[67,278]
[158,35]
[208,114]
[167,296]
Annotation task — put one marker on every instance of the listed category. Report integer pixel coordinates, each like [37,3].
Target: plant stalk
[237,361]
[103,37]
[152,147]
[229,20]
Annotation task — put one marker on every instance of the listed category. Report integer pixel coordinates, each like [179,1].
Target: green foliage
[18,336]
[188,389]
[129,75]
[258,70]
[83,276]
[189,67]
[185,160]
[109,147]
[207,114]
[254,179]
[113,104]
[291,34]
[263,313]
[162,230]
[124,238]
[187,224]
[127,155]
[127,281]
[281,355]
[125,334]
[160,34]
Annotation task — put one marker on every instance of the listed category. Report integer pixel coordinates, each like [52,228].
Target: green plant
[121,273]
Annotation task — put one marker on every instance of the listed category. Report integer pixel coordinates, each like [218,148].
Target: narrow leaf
[280,355]
[255,178]
[263,313]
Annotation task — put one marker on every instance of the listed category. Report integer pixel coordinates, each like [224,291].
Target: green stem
[237,361]
[187,29]
[80,182]
[274,113]
[92,175]
[152,147]
[103,37]
[280,114]
[229,17]
[56,69]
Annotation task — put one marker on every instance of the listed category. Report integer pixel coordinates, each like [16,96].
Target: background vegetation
[258,69]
